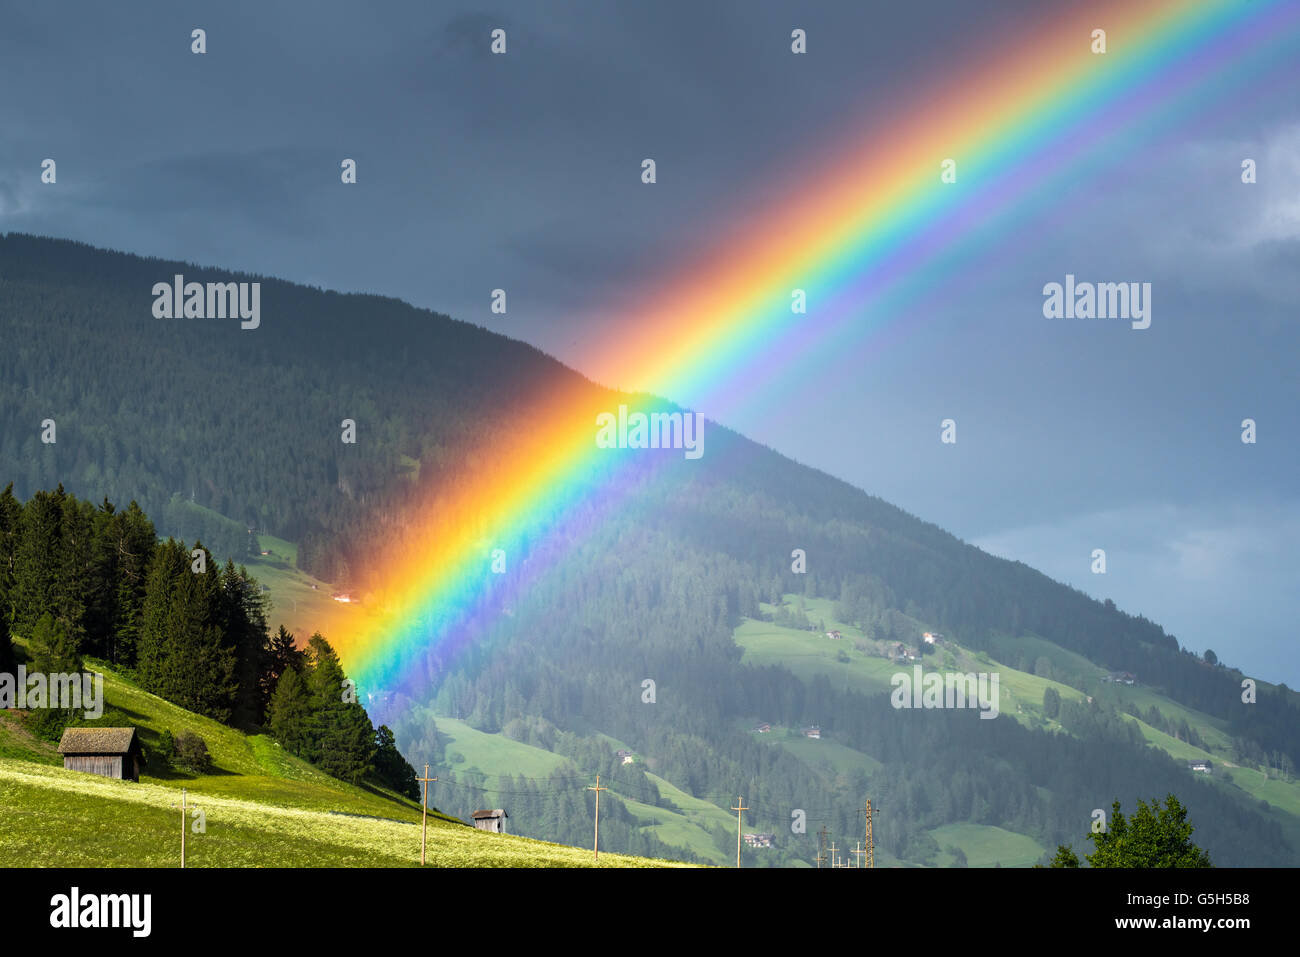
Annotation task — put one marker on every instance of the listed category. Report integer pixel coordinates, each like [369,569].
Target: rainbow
[869,225]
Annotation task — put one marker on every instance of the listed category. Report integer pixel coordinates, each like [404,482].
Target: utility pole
[821,847]
[741,802]
[870,842]
[833,850]
[597,789]
[184,823]
[424,817]
[858,854]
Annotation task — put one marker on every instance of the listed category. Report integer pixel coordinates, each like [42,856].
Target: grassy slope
[469,749]
[52,817]
[985,846]
[263,807]
[293,601]
[827,752]
[495,754]
[297,604]
[808,654]
[297,600]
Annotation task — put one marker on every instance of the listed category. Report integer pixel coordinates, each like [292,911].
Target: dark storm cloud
[467,33]
[478,171]
[262,190]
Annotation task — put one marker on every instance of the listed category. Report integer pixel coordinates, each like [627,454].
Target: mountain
[216,429]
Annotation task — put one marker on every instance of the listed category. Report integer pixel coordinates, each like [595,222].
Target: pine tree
[74,572]
[8,663]
[342,738]
[391,767]
[243,618]
[1051,702]
[282,654]
[11,511]
[135,540]
[1065,857]
[155,644]
[184,656]
[348,751]
[289,713]
[54,651]
[36,558]
[101,611]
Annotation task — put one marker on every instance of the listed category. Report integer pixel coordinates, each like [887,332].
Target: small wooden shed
[109,752]
[494,820]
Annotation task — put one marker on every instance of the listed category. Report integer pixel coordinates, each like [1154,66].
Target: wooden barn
[494,820]
[109,752]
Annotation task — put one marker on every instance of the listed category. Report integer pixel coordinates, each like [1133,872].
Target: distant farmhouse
[762,728]
[626,757]
[494,820]
[833,634]
[932,638]
[1121,677]
[760,840]
[813,732]
[1202,766]
[108,752]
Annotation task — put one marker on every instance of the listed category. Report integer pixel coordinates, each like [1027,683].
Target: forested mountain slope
[246,424]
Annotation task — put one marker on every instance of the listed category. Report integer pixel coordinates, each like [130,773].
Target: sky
[522,172]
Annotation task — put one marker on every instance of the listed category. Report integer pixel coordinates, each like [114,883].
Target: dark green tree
[342,738]
[184,655]
[53,649]
[391,767]
[289,713]
[1051,702]
[8,662]
[243,623]
[36,559]
[191,752]
[166,754]
[325,691]
[1153,837]
[134,541]
[11,511]
[1065,857]
[348,749]
[282,655]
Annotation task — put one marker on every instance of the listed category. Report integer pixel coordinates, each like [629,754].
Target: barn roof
[97,740]
[482,815]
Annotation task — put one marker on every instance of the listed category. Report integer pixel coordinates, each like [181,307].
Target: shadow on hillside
[155,770]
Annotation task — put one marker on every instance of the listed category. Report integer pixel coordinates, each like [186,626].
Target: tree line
[82,581]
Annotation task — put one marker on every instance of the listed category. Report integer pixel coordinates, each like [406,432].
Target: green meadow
[55,818]
[986,846]
[260,806]
[809,654]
